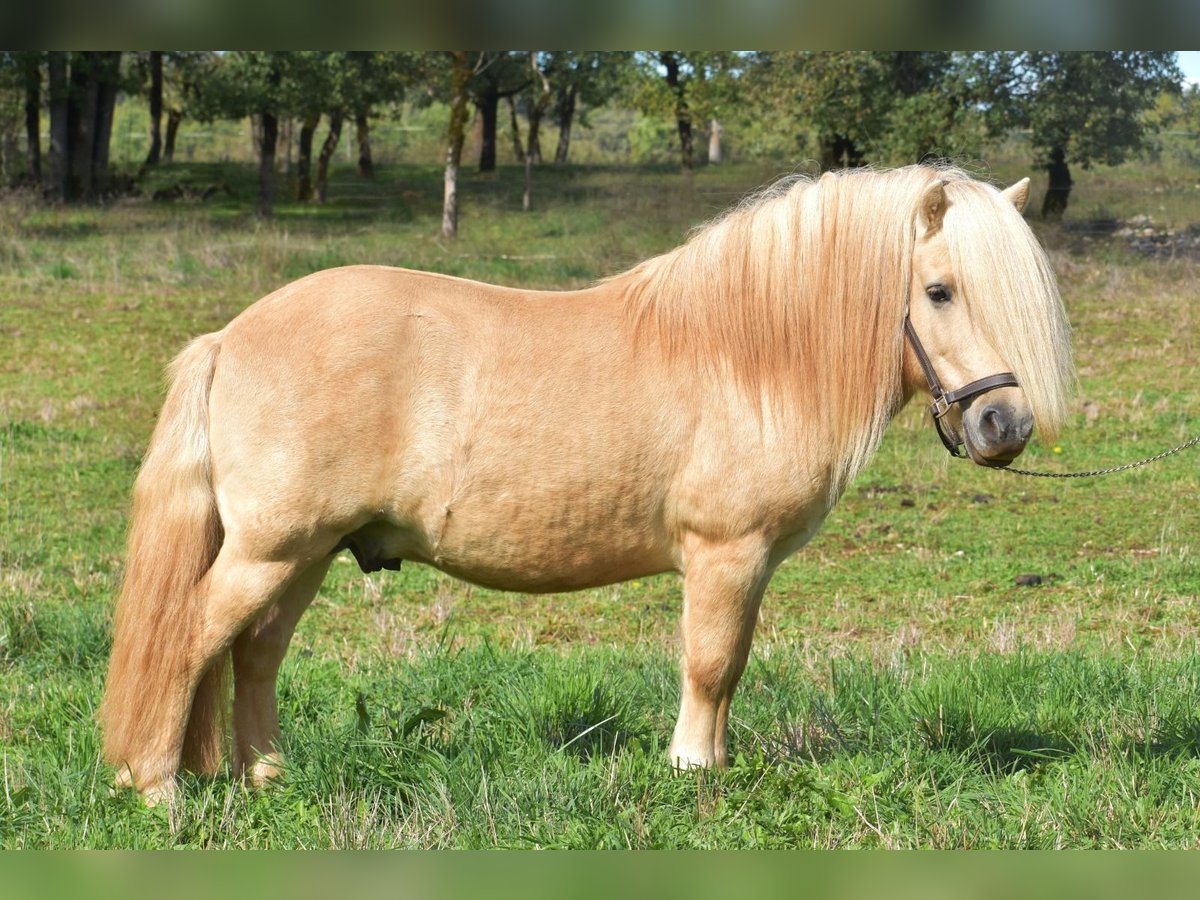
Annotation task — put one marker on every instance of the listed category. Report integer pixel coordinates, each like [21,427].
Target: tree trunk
[107,82]
[683,113]
[1058,190]
[459,76]
[686,147]
[304,187]
[60,135]
[840,152]
[268,135]
[534,151]
[537,109]
[362,128]
[714,142]
[174,117]
[327,150]
[489,107]
[566,117]
[156,106]
[285,137]
[81,122]
[515,126]
[527,196]
[8,154]
[33,109]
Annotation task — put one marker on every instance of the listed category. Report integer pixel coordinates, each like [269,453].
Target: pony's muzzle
[996,431]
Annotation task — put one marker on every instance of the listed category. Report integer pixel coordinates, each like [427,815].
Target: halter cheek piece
[943,399]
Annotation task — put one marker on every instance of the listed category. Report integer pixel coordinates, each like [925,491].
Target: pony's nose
[1002,432]
[998,426]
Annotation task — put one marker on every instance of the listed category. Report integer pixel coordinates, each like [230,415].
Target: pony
[700,413]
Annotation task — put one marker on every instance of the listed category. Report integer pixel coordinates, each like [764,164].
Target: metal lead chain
[1132,465]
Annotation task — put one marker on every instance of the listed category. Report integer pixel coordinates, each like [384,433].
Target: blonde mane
[1012,296]
[799,295]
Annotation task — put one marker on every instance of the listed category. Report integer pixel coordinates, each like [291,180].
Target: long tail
[174,536]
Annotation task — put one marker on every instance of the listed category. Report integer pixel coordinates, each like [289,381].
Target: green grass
[904,690]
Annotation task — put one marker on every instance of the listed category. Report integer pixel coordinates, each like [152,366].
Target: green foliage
[652,140]
[683,88]
[1092,104]
[884,107]
[706,82]
[1175,123]
[244,82]
[594,77]
[837,107]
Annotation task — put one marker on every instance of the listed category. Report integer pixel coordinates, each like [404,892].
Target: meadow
[906,689]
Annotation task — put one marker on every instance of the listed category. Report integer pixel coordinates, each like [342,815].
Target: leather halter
[943,399]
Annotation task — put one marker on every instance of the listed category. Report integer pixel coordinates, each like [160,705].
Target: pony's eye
[938,293]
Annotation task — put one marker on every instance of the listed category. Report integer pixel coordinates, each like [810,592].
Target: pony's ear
[933,206]
[1018,194]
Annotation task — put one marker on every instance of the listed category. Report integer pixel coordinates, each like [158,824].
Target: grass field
[904,690]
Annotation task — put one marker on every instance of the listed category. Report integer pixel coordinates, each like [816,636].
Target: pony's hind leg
[257,654]
[723,586]
[235,590]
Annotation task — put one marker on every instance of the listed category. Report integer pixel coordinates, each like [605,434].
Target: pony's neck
[796,299]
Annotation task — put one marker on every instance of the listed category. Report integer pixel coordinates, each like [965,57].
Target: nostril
[992,424]
[999,426]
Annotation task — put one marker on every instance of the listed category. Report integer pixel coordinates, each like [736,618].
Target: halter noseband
[943,399]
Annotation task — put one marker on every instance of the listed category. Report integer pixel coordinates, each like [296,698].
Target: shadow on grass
[996,750]
[63,230]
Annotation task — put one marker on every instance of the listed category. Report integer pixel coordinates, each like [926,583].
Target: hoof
[682,761]
[260,769]
[162,792]
[123,781]
[264,769]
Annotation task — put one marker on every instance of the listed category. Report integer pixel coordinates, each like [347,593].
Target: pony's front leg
[723,586]
[257,654]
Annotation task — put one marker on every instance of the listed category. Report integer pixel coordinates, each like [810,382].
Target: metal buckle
[940,406]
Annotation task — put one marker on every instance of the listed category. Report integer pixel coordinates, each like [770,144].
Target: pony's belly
[536,577]
[524,553]
[506,553]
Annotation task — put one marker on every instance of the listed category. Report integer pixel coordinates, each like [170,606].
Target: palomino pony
[701,413]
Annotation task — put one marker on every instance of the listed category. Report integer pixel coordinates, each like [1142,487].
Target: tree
[355,84]
[185,72]
[32,65]
[361,83]
[689,86]
[310,89]
[20,110]
[83,93]
[1082,107]
[269,86]
[460,69]
[536,109]
[156,107]
[500,74]
[891,107]
[57,64]
[251,83]
[327,150]
[367,84]
[582,79]
[682,110]
[1178,111]
[173,81]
